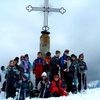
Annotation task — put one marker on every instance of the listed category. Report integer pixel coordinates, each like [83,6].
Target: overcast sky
[78,30]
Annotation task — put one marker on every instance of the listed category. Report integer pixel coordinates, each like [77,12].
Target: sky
[77,30]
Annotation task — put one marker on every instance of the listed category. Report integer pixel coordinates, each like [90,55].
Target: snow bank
[94,84]
[90,94]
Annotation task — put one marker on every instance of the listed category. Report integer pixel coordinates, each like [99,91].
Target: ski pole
[40,94]
[59,73]
[19,94]
[44,91]
[19,91]
[24,94]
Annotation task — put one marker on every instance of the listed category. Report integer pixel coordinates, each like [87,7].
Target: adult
[82,76]
[58,88]
[12,76]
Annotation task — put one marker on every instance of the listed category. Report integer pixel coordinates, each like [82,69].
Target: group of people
[54,76]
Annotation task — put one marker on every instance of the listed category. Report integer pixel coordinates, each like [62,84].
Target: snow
[90,94]
[94,84]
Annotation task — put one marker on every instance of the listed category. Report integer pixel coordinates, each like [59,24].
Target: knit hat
[44,74]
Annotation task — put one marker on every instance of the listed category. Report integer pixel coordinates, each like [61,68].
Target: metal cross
[46,9]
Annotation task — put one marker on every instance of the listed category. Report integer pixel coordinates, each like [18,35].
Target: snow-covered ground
[90,94]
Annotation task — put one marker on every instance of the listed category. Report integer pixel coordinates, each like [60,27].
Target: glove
[58,65]
[65,70]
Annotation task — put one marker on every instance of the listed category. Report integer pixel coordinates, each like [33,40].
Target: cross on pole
[46,9]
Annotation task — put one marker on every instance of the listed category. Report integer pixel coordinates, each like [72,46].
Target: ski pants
[82,81]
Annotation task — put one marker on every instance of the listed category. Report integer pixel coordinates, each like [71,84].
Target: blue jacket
[62,64]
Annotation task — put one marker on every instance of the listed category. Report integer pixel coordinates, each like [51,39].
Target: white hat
[44,74]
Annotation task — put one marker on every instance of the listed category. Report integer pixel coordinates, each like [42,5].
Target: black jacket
[82,66]
[54,62]
[74,69]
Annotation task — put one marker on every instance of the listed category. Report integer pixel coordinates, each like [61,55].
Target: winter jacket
[58,88]
[20,69]
[26,65]
[25,89]
[62,63]
[82,66]
[54,62]
[43,87]
[74,69]
[38,67]
[12,76]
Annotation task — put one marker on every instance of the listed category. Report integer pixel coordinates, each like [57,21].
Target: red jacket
[38,67]
[61,91]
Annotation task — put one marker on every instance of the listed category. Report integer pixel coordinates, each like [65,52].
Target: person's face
[40,55]
[15,62]
[81,58]
[56,78]
[58,54]
[21,58]
[66,53]
[44,77]
[26,58]
[73,58]
[12,64]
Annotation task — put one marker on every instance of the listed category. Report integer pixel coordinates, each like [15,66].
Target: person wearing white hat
[43,86]
[44,74]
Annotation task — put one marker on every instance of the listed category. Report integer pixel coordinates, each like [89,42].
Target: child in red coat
[58,88]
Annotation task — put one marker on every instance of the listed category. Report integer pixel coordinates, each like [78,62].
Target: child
[64,62]
[24,87]
[43,86]
[38,67]
[25,64]
[58,88]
